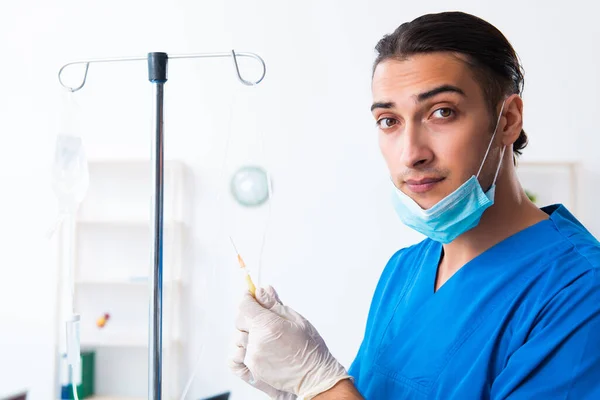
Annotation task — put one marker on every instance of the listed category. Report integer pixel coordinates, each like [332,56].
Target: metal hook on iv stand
[157,74]
[231,54]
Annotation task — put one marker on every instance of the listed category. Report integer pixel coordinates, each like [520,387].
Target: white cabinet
[112,236]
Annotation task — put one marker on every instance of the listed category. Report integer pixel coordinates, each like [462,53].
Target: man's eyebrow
[440,89]
[422,96]
[386,105]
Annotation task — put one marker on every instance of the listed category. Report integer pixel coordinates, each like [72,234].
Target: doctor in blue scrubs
[502,299]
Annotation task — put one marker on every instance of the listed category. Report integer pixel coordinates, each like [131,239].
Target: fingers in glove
[288,313]
[240,370]
[244,374]
[241,339]
[272,292]
[238,355]
[267,297]
[248,309]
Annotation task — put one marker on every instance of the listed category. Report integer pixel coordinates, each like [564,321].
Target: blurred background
[329,224]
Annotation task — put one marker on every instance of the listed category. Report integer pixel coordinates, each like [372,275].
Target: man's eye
[443,112]
[386,122]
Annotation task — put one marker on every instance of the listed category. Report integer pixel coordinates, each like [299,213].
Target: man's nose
[414,147]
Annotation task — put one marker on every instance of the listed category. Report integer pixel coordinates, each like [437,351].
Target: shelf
[127,223]
[121,341]
[113,340]
[117,281]
[547,163]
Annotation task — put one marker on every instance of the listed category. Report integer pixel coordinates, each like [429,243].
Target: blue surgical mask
[456,213]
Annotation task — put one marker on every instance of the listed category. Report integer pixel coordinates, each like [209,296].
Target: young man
[502,300]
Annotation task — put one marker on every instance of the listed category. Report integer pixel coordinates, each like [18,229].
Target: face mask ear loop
[491,140]
[499,164]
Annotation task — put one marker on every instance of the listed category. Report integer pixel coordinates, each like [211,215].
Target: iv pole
[157,75]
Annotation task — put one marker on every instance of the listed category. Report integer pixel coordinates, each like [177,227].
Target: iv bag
[70,174]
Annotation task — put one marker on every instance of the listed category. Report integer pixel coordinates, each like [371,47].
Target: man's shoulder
[577,248]
[566,276]
[575,233]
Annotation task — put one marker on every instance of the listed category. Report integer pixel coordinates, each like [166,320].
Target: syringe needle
[233,244]
[242,264]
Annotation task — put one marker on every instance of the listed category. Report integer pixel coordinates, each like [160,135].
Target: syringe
[251,287]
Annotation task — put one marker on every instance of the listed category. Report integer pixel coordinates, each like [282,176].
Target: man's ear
[513,117]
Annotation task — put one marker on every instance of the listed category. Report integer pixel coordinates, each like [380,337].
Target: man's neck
[511,213]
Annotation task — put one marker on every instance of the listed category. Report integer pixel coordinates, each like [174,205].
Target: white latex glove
[283,350]
[236,363]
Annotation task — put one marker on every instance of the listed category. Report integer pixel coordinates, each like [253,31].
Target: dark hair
[489,54]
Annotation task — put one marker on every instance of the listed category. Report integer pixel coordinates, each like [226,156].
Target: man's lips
[422,185]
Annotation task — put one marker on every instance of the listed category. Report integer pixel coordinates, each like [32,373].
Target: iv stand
[157,74]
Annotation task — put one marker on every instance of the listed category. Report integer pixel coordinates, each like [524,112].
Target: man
[502,300]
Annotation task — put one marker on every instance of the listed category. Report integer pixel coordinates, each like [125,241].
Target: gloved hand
[280,352]
[236,363]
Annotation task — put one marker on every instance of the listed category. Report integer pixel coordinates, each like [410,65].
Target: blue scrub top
[520,321]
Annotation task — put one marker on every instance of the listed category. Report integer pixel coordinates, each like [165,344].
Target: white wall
[332,229]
